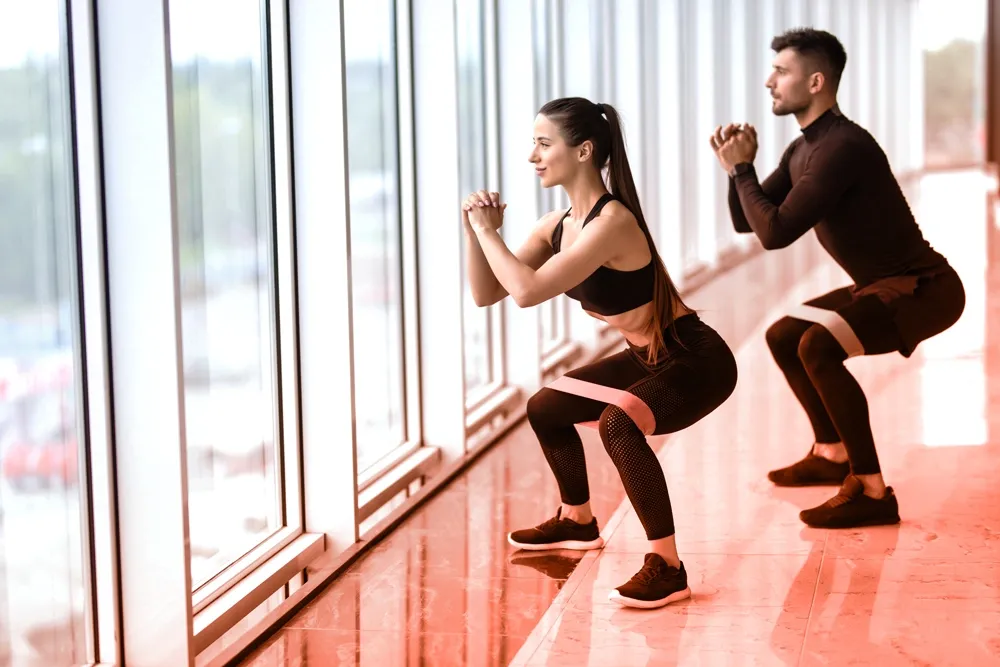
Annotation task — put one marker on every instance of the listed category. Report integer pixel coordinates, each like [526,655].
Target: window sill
[417,465]
[497,405]
[729,258]
[477,397]
[562,356]
[231,576]
[217,617]
[385,466]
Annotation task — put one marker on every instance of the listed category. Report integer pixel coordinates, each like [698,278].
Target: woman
[675,370]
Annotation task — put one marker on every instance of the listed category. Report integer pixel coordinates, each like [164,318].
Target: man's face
[789,83]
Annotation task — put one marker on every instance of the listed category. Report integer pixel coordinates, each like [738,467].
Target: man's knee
[783,336]
[818,349]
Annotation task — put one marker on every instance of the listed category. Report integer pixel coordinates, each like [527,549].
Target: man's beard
[782,108]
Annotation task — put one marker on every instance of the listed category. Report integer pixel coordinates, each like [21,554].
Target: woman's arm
[596,244]
[535,251]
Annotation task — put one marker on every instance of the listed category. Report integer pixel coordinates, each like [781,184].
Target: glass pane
[221,126]
[953,38]
[553,323]
[545,329]
[543,92]
[42,583]
[690,148]
[376,248]
[472,174]
[540,35]
[582,50]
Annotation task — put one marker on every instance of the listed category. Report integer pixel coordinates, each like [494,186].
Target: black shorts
[896,314]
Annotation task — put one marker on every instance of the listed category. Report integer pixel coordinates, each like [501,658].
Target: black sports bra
[609,291]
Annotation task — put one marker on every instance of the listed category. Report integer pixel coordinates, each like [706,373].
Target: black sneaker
[655,585]
[811,471]
[851,508]
[558,533]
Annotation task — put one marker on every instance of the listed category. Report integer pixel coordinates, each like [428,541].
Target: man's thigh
[863,325]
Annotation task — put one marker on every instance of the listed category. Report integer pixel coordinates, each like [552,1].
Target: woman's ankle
[666,548]
[577,513]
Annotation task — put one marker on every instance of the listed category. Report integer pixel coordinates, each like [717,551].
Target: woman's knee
[818,349]
[618,431]
[539,408]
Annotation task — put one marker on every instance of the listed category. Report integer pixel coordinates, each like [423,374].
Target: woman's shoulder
[549,220]
[616,213]
[545,226]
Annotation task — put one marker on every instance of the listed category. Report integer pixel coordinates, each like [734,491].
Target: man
[835,178]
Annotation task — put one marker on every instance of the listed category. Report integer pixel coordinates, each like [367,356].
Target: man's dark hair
[822,48]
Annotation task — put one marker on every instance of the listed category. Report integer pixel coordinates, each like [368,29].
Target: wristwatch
[741,168]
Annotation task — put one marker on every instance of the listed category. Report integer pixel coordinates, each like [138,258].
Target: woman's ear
[586,150]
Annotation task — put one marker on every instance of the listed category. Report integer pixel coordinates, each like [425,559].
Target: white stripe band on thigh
[631,404]
[834,323]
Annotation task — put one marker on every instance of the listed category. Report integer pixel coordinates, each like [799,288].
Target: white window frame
[169,623]
[481,403]
[98,502]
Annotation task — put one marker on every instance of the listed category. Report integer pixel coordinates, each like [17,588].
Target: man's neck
[809,116]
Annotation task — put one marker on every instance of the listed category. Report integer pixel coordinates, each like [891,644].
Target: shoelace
[838,500]
[647,575]
[844,496]
[548,523]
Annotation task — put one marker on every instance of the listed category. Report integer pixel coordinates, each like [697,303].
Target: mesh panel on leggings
[569,465]
[637,465]
[678,396]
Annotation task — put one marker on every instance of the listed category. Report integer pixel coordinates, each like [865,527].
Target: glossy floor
[445,589]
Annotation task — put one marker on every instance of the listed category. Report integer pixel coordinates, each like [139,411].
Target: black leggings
[680,388]
[813,361]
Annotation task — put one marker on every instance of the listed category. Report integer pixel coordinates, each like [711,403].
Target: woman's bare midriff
[634,324]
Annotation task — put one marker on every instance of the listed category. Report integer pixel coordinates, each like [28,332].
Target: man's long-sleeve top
[836,178]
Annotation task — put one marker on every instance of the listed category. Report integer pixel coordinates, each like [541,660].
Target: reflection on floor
[445,589]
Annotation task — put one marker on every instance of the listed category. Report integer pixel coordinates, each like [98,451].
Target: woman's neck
[584,192]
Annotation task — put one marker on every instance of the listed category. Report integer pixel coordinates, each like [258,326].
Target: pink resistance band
[834,323]
[632,405]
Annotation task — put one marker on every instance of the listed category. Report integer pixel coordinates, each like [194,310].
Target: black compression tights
[680,390]
[813,363]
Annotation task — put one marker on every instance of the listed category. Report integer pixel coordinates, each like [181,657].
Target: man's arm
[831,170]
[775,188]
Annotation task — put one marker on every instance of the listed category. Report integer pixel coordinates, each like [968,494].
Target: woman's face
[556,162]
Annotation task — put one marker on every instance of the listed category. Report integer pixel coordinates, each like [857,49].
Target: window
[228,304]
[554,313]
[482,358]
[953,44]
[689,152]
[43,610]
[376,243]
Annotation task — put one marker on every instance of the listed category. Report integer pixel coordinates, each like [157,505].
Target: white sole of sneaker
[615,596]
[575,545]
